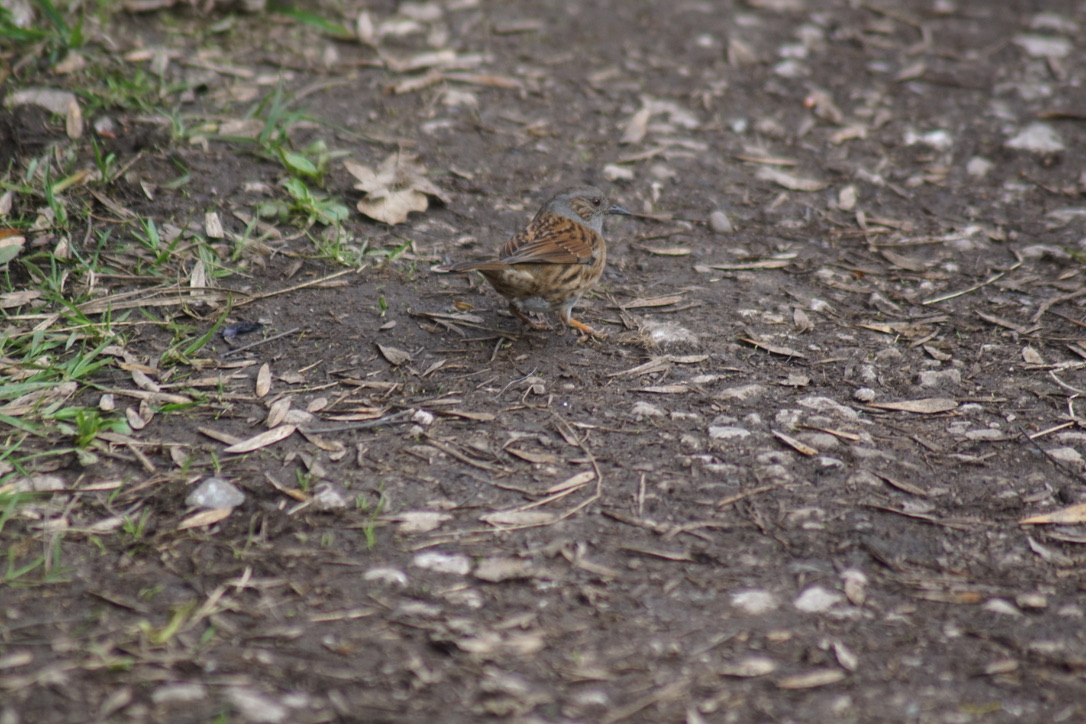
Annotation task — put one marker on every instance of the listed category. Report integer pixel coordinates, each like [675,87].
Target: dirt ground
[790,485]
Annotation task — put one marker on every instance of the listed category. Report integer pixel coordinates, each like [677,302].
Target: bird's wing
[551,239]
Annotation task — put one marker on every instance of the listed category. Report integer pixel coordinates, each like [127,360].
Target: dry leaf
[213,225]
[223,437]
[928,406]
[668,250]
[812,679]
[575,482]
[1063,516]
[774,348]
[789,181]
[17,299]
[517,517]
[748,667]
[134,420]
[73,120]
[395,356]
[800,447]
[268,437]
[10,246]
[277,412]
[1031,356]
[775,262]
[636,127]
[263,380]
[143,381]
[396,188]
[533,457]
[466,415]
[498,569]
[204,518]
[655,302]
[903,262]
[52,100]
[665,389]
[422,521]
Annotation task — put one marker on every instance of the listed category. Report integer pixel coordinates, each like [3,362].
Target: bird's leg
[565,314]
[526,319]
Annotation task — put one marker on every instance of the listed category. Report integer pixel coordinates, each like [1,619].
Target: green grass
[73,341]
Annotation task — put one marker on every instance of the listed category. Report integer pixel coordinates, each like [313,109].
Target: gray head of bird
[584,204]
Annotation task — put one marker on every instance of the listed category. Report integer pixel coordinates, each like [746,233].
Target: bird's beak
[616,209]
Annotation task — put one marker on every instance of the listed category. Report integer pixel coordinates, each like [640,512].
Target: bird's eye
[597,202]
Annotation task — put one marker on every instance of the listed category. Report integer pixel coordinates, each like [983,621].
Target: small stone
[423,418]
[846,198]
[443,562]
[215,493]
[998,605]
[743,393]
[613,172]
[720,223]
[387,576]
[647,409]
[864,394]
[817,599]
[255,706]
[329,497]
[978,167]
[1031,601]
[669,334]
[987,435]
[820,441]
[940,378]
[690,442]
[1066,455]
[1043,46]
[727,433]
[186,693]
[1037,138]
[829,406]
[40,484]
[938,139]
[755,601]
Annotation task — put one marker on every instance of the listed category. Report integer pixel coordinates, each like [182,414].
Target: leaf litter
[902,487]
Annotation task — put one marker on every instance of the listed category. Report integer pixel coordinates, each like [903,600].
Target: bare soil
[717,514]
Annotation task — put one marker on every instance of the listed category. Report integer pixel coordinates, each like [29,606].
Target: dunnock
[556,258]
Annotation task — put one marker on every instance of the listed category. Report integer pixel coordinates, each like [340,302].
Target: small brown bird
[558,257]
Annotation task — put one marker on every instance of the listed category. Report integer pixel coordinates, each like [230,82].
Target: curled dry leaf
[394,189]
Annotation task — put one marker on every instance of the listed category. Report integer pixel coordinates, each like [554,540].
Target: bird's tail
[471,266]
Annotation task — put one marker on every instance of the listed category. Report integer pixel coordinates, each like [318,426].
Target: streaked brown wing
[551,240]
